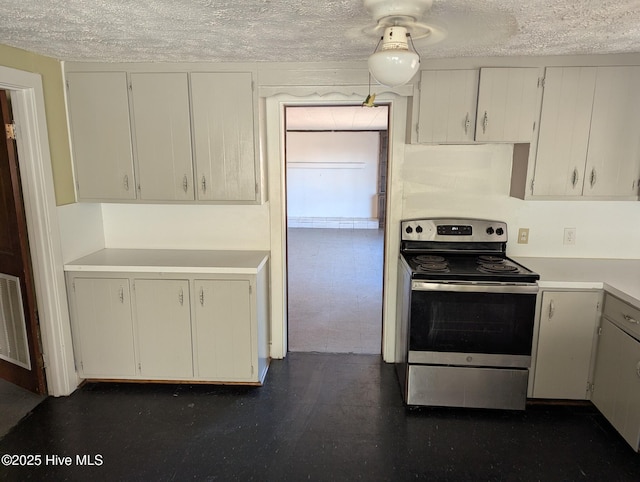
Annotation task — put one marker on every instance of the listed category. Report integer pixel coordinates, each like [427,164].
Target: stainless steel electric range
[465,315]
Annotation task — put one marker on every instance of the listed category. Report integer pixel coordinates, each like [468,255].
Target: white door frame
[27,101]
[277,99]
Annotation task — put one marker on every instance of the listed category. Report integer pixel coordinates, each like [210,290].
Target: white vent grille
[13,329]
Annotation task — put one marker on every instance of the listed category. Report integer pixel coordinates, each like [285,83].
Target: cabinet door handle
[467,123]
[630,319]
[204,184]
[593,177]
[485,122]
[181,297]
[185,183]
[202,296]
[552,309]
[125,182]
[574,178]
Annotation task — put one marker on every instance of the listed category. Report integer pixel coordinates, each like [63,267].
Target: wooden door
[223,330]
[162,130]
[163,317]
[20,363]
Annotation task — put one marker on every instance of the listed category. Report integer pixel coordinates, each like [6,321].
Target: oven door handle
[474,288]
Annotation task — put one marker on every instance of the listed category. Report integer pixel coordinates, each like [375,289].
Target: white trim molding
[27,100]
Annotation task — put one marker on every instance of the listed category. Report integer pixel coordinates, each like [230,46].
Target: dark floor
[319,417]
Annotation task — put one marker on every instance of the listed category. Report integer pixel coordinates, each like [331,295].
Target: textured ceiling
[307,30]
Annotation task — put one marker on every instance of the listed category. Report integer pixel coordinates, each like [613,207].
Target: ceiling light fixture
[394,64]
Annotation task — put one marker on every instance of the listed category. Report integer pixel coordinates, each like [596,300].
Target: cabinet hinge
[252,370]
[82,365]
[130,86]
[590,387]
[532,183]
[541,82]
[257,188]
[250,289]
[599,330]
[73,285]
[139,367]
[10,129]
[66,82]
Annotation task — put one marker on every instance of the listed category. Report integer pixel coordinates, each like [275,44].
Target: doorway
[336,163]
[21,361]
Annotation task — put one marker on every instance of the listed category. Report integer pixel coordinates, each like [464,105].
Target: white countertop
[171,261]
[620,277]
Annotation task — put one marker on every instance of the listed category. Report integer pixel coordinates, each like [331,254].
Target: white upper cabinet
[507,104]
[589,141]
[101,136]
[447,106]
[613,157]
[223,136]
[162,130]
[564,131]
[489,105]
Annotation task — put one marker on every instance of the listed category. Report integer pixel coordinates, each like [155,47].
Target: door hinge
[10,129]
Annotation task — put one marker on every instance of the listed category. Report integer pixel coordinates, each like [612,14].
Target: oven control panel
[454,230]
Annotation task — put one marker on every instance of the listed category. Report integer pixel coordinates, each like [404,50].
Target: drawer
[622,314]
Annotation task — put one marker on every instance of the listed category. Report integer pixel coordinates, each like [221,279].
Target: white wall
[81,229]
[332,174]
[474,181]
[174,226]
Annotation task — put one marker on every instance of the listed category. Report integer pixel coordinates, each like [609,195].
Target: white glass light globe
[393,67]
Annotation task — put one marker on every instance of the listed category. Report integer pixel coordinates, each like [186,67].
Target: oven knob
[409,230]
[418,229]
[489,230]
[499,231]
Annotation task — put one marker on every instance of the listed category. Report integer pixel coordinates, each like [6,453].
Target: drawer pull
[630,319]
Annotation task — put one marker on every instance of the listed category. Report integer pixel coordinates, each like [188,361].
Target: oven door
[471,324]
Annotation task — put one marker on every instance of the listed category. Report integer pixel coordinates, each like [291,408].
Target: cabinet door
[613,158]
[164,328]
[565,344]
[101,135]
[223,330]
[507,101]
[104,327]
[616,384]
[162,128]
[564,131]
[448,105]
[222,107]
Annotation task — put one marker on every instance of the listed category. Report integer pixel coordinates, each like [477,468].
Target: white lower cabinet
[163,320]
[568,323]
[141,326]
[224,342]
[616,383]
[104,343]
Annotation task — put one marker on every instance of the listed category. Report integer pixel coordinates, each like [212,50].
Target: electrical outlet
[569,235]
[523,236]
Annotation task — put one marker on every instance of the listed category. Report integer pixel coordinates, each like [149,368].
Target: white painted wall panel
[332,174]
